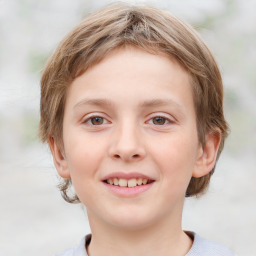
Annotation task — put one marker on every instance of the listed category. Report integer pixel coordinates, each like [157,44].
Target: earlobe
[58,159]
[207,155]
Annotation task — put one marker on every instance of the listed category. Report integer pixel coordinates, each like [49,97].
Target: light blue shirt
[200,247]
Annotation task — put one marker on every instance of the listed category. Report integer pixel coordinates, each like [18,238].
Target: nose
[127,143]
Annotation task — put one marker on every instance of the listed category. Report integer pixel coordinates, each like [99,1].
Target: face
[129,120]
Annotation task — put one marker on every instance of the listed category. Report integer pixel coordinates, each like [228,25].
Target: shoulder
[202,247]
[76,251]
[68,252]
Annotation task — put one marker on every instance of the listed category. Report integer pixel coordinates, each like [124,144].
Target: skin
[129,137]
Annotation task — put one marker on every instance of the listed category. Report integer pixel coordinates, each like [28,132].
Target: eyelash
[89,119]
[166,120]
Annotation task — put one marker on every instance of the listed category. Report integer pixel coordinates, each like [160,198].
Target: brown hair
[147,28]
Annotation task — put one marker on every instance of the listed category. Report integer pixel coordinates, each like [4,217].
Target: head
[148,29]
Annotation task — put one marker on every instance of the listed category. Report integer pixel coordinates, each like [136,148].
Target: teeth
[110,181]
[127,183]
[132,183]
[139,181]
[116,181]
[122,183]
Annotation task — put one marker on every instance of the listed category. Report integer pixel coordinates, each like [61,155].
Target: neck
[163,238]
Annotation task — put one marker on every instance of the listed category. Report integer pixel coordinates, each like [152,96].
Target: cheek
[84,153]
[84,156]
[176,158]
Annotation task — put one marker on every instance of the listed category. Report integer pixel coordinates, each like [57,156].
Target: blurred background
[34,219]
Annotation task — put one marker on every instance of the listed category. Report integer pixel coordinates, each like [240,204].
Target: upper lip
[126,175]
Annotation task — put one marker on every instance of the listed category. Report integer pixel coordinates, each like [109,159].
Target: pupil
[97,120]
[159,120]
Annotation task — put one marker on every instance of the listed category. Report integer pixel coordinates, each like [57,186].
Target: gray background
[34,220]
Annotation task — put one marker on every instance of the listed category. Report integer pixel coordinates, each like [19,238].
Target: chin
[132,226]
[132,221]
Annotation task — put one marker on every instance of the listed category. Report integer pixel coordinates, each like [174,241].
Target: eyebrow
[159,102]
[147,103]
[94,102]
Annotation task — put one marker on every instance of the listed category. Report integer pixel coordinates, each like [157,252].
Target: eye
[159,120]
[95,121]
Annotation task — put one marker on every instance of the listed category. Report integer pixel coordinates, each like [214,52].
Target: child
[131,107]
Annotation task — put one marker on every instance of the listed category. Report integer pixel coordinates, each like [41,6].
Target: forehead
[128,74]
[130,55]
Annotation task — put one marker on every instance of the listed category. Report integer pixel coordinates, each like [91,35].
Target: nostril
[126,157]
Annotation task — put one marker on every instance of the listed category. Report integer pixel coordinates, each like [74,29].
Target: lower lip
[128,192]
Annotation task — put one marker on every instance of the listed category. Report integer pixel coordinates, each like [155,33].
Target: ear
[207,155]
[59,159]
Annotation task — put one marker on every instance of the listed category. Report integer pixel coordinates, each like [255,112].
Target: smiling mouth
[130,183]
